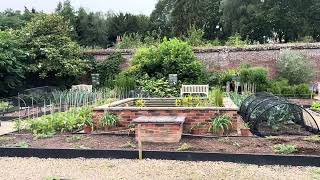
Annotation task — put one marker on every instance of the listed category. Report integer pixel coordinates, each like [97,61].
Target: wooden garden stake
[139,142]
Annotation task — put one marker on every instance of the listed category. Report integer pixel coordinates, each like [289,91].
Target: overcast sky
[132,6]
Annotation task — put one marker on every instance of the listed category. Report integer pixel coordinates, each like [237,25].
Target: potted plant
[199,129]
[109,121]
[245,131]
[88,126]
[220,124]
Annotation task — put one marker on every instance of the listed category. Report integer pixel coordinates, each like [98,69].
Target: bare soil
[198,144]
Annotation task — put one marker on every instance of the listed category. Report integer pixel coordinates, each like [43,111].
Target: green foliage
[314,139]
[282,88]
[184,147]
[236,40]
[12,59]
[171,57]
[254,75]
[128,41]
[44,136]
[157,87]
[220,123]
[238,98]
[5,105]
[52,53]
[140,103]
[192,101]
[124,83]
[195,37]
[295,67]
[216,97]
[109,120]
[59,122]
[285,148]
[74,138]
[315,106]
[109,68]
[23,144]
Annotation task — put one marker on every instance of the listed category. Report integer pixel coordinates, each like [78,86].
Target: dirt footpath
[34,168]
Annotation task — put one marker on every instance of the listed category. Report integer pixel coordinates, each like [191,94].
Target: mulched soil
[198,144]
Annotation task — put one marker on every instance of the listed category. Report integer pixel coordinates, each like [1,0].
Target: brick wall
[160,132]
[221,58]
[193,116]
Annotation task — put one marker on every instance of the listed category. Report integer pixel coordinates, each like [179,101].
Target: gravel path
[34,168]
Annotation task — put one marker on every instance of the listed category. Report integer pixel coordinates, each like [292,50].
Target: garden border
[258,159]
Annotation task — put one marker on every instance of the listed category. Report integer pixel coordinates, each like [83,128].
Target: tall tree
[54,58]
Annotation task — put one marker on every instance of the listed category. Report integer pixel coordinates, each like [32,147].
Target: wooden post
[139,142]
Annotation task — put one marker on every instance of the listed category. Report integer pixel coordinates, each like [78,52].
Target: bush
[236,40]
[195,37]
[109,68]
[157,87]
[282,88]
[295,67]
[171,57]
[254,75]
[53,56]
[124,83]
[12,58]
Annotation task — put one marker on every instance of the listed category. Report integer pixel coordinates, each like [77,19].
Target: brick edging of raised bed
[258,159]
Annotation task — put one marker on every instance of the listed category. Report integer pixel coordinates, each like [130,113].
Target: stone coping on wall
[228,106]
[159,119]
[263,47]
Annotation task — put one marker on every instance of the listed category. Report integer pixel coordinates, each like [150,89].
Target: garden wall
[221,58]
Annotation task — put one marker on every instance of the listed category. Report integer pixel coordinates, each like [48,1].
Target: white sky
[132,6]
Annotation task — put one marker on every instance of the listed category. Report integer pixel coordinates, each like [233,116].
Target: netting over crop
[271,115]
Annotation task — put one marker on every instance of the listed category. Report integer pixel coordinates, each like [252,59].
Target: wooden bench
[194,89]
[159,129]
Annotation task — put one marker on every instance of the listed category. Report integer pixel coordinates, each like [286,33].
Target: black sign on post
[95,79]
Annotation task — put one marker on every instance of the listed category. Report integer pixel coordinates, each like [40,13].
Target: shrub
[195,36]
[254,75]
[157,87]
[236,40]
[171,57]
[285,149]
[295,67]
[12,57]
[53,56]
[132,40]
[124,83]
[109,68]
[282,88]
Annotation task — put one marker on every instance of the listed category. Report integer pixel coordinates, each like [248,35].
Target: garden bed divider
[258,159]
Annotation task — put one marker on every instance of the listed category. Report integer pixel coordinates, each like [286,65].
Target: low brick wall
[193,115]
[160,132]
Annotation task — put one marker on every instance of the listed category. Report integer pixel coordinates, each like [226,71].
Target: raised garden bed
[252,145]
[127,110]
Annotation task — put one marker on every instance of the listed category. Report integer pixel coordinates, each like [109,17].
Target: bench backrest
[82,87]
[194,89]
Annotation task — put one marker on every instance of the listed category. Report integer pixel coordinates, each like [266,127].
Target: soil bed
[196,144]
